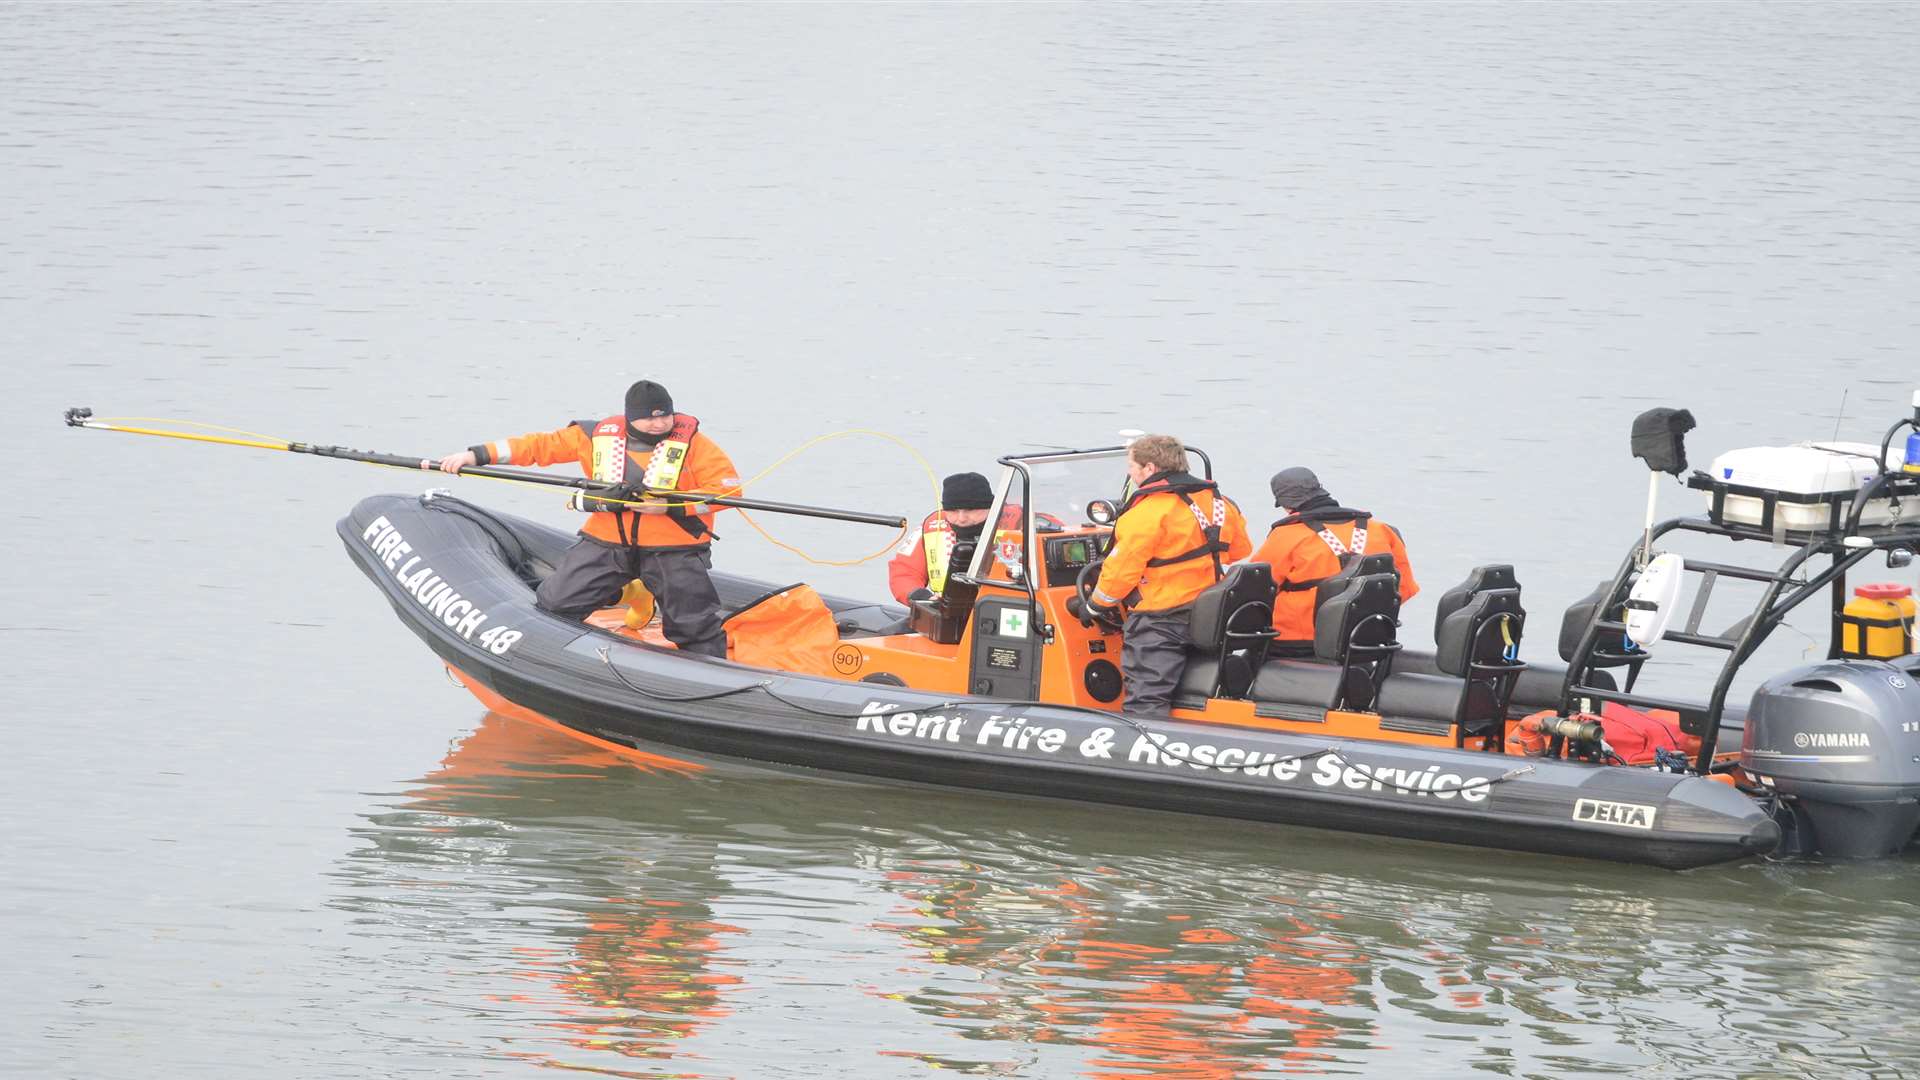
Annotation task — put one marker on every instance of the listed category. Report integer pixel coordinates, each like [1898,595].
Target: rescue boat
[994,686]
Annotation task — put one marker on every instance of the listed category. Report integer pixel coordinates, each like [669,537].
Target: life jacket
[611,460]
[1318,520]
[1184,485]
[939,538]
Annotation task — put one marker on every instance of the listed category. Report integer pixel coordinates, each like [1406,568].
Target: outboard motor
[1840,742]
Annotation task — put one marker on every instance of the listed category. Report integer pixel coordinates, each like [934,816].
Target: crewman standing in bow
[665,544]
[1170,543]
[1312,543]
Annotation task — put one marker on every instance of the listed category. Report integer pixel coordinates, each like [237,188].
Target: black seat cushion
[1538,687]
[1442,698]
[1299,682]
[1198,680]
[1428,697]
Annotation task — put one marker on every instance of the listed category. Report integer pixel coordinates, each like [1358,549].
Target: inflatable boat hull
[459,578]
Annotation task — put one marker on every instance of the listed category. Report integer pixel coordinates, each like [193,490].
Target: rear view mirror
[1101,512]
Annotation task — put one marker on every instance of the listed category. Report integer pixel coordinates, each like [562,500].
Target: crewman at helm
[1170,543]
[919,570]
[1311,544]
[649,447]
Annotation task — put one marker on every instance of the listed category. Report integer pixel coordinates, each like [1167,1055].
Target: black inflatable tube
[555,669]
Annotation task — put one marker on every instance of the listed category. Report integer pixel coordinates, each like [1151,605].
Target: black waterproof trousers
[1153,656]
[591,575]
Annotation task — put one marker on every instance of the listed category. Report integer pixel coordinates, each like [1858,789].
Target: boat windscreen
[1063,486]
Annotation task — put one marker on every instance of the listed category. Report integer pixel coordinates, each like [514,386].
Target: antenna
[1842,416]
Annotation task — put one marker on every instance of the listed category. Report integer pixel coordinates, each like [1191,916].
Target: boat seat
[1479,579]
[1315,686]
[1537,687]
[1197,682]
[1477,674]
[1380,562]
[1231,624]
[943,619]
[1355,634]
[1612,649]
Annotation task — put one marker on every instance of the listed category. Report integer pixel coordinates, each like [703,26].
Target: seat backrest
[1358,628]
[1241,603]
[1473,636]
[1364,614]
[1612,648]
[1377,563]
[1494,576]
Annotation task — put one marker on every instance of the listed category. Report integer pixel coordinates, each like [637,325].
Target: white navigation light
[1655,594]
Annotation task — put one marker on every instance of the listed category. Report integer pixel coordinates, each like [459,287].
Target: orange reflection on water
[642,970]
[638,979]
[1167,997]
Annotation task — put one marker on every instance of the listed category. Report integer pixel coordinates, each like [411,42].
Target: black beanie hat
[647,398]
[966,491]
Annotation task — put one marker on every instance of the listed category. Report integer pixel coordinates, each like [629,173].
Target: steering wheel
[1083,587]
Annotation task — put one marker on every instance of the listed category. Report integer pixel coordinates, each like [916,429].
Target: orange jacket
[1158,524]
[1299,555]
[707,469]
[907,570]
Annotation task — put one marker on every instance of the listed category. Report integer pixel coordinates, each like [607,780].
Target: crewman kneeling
[1316,539]
[646,449]
[1170,544]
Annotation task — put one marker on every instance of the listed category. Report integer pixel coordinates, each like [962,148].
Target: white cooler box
[1834,470]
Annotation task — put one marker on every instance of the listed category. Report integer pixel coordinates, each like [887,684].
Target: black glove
[920,594]
[1088,612]
[597,501]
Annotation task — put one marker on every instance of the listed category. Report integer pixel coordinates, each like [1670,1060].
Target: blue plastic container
[1913,453]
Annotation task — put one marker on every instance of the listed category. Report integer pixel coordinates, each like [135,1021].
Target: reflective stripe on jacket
[1298,554]
[1160,524]
[910,567]
[706,468]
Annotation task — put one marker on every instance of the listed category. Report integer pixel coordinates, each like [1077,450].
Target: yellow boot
[639,604]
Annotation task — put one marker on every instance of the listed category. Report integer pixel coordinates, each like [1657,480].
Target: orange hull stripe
[504,707]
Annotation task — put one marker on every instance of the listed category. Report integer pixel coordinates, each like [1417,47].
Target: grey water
[1441,253]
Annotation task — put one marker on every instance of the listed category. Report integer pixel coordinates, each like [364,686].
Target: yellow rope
[926,466]
[769,538]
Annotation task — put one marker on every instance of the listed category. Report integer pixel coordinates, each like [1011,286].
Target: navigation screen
[1073,553]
